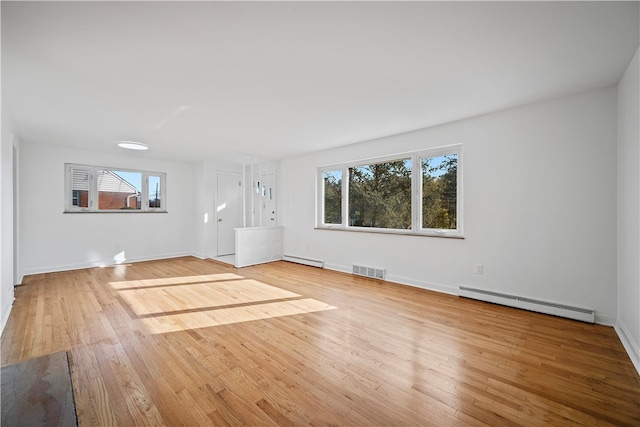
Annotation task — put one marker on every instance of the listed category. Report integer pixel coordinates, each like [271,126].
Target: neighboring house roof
[108,181]
[113,183]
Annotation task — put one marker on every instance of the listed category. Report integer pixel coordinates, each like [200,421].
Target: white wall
[539,206]
[52,240]
[201,207]
[6,221]
[628,323]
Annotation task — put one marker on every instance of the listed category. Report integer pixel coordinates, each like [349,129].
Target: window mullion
[345,196]
[68,189]
[93,189]
[145,192]
[416,192]
[319,196]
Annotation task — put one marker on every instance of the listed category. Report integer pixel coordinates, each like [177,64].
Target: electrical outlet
[479,269]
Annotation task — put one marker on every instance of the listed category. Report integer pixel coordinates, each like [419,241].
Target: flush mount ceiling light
[132,145]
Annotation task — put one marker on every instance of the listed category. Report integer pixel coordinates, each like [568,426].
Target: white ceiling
[197,80]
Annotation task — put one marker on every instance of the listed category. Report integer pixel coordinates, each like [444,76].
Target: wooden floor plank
[192,342]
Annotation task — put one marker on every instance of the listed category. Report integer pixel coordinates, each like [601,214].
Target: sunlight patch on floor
[165,299]
[226,316]
[165,281]
[180,303]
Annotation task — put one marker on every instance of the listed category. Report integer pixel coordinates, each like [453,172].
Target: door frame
[216,204]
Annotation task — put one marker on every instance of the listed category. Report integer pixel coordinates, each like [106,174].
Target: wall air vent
[546,307]
[372,272]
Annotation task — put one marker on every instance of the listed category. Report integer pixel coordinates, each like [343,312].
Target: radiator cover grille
[304,261]
[372,272]
[546,307]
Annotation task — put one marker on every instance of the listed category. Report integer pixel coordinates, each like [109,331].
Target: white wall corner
[7,313]
[629,345]
[96,264]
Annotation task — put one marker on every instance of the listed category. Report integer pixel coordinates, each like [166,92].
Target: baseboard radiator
[304,261]
[576,313]
[372,272]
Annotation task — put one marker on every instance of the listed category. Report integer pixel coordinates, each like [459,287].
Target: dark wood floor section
[192,342]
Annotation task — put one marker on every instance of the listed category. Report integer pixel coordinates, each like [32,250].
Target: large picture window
[100,189]
[380,195]
[413,193]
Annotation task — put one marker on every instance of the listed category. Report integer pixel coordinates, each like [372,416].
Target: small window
[98,189]
[440,192]
[332,196]
[155,192]
[80,181]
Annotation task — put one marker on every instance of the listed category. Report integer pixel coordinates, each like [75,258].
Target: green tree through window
[439,192]
[380,195]
[332,181]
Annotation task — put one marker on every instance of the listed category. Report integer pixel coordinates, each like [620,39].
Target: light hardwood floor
[193,342]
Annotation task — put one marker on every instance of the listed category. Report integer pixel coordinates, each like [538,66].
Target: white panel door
[264,200]
[228,211]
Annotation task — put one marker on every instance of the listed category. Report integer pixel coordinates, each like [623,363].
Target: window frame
[416,193]
[343,186]
[93,193]
[146,196]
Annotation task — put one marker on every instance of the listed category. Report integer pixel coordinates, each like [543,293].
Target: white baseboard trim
[629,345]
[163,256]
[405,281]
[429,286]
[451,290]
[79,266]
[605,320]
[339,268]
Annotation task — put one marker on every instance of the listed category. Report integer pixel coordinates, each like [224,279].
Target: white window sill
[448,235]
[124,211]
